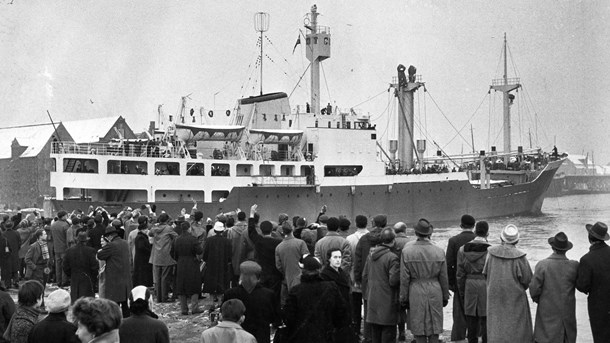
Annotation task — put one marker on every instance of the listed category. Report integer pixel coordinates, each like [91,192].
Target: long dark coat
[382,272]
[313,310]
[55,328]
[553,289]
[14,243]
[458,330]
[185,251]
[508,311]
[118,275]
[264,246]
[594,280]
[81,266]
[342,280]
[217,255]
[142,269]
[262,309]
[470,280]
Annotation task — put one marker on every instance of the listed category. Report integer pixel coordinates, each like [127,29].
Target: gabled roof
[90,130]
[34,137]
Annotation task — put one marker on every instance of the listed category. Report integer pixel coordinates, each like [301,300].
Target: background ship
[297,161]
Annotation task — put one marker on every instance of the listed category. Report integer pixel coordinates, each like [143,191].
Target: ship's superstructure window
[220,169]
[167,168]
[342,170]
[287,170]
[195,169]
[244,170]
[80,165]
[127,167]
[266,170]
[219,195]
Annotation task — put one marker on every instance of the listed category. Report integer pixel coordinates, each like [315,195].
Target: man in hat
[217,254]
[237,234]
[424,289]
[60,245]
[552,288]
[55,328]
[81,266]
[96,232]
[143,325]
[458,331]
[163,264]
[471,282]
[229,329]
[508,276]
[118,275]
[594,280]
[382,276]
[262,307]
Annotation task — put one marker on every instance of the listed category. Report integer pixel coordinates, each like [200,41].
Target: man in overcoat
[59,230]
[81,267]
[382,275]
[424,289]
[508,276]
[458,330]
[552,288]
[331,241]
[471,282]
[264,245]
[163,264]
[594,280]
[287,256]
[10,255]
[118,274]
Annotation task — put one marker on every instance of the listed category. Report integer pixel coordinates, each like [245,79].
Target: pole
[261,62]
[472,139]
[55,129]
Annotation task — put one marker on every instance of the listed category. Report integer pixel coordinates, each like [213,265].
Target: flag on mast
[297,43]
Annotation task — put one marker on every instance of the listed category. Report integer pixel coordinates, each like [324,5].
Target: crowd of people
[290,280]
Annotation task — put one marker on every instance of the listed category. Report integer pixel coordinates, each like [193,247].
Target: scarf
[45,250]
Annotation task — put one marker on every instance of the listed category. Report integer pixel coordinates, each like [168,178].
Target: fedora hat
[598,230]
[560,242]
[110,230]
[423,227]
[510,234]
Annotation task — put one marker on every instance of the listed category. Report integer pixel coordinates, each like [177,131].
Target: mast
[261,24]
[405,87]
[506,85]
[318,49]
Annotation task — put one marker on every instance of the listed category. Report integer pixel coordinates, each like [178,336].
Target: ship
[297,161]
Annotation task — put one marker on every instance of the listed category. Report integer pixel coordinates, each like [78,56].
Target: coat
[143,328]
[164,236]
[508,276]
[118,275]
[55,328]
[594,280]
[424,286]
[142,268]
[382,272]
[342,280]
[331,241]
[287,256]
[188,277]
[58,231]
[227,331]
[81,266]
[21,324]
[217,255]
[237,234]
[264,246]
[313,310]
[35,263]
[470,279]
[262,309]
[13,241]
[7,309]
[552,288]
[453,246]
[366,242]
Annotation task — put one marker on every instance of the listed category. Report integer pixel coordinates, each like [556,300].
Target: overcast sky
[82,59]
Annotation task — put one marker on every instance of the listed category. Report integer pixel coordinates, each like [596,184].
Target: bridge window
[194,169]
[78,165]
[342,170]
[244,170]
[167,168]
[127,167]
[220,169]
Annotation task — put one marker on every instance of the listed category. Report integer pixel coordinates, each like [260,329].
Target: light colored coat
[287,256]
[424,284]
[553,289]
[508,312]
[382,272]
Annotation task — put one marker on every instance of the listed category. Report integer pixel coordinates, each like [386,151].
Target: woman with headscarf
[142,269]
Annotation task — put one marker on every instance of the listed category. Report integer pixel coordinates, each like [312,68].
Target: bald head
[400,227]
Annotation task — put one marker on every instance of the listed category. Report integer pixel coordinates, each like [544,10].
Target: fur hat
[58,301]
[467,221]
[309,262]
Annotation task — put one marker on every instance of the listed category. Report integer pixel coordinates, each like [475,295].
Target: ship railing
[283,181]
[120,149]
[418,78]
[508,81]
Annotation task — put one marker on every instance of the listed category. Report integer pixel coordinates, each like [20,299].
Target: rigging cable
[467,122]
[326,83]
[446,118]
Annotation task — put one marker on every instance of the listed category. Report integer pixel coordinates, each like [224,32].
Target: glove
[445,302]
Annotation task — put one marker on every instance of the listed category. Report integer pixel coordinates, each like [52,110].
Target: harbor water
[568,214]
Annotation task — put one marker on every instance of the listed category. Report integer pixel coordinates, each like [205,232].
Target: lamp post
[261,24]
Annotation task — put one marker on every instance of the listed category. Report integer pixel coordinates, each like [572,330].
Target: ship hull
[438,201]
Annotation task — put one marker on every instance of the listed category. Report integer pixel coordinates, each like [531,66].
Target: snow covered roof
[34,137]
[90,130]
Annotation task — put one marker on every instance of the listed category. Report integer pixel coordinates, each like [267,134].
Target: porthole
[188,195]
[164,195]
[330,195]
